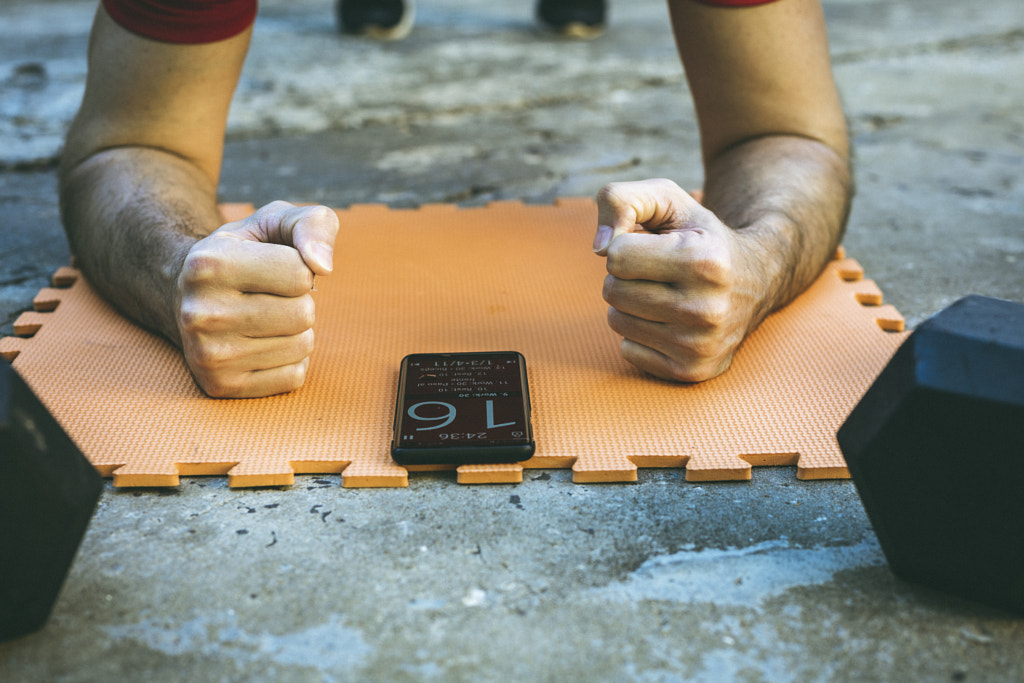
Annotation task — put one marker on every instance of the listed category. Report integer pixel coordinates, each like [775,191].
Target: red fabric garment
[207,21]
[183,21]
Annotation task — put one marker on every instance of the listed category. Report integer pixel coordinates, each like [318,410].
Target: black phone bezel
[461,454]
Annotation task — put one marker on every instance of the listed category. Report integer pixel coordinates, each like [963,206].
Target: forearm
[788,198]
[131,215]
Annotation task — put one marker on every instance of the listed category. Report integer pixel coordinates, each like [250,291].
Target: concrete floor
[663,580]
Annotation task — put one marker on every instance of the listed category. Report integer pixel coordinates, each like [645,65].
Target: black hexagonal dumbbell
[936,450]
[48,491]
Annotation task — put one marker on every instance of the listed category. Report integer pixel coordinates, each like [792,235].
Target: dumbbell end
[48,491]
[936,450]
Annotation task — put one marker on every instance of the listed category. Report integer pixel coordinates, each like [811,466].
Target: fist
[244,310]
[678,286]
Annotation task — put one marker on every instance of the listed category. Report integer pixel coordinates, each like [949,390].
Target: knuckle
[194,317]
[688,369]
[212,378]
[706,315]
[613,322]
[700,371]
[618,321]
[292,377]
[617,259]
[608,191]
[216,388]
[322,213]
[610,289]
[664,184]
[269,214]
[714,313]
[714,268]
[307,312]
[305,343]
[211,357]
[612,199]
[699,347]
[275,207]
[299,371]
[303,279]
[202,266]
[686,374]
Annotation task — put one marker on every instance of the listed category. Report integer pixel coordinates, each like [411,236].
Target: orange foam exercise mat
[439,279]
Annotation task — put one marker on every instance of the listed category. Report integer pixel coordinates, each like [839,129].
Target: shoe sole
[392,33]
[583,31]
[577,30]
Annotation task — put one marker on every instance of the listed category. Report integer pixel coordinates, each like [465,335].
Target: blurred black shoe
[379,19]
[584,19]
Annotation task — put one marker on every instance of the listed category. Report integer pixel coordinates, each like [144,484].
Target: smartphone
[462,409]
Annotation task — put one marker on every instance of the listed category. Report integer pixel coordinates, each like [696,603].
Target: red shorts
[183,21]
[207,21]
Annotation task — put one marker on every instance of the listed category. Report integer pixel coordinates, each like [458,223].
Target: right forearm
[131,215]
[138,200]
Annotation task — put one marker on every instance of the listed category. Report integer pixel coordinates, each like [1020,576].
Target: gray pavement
[663,580]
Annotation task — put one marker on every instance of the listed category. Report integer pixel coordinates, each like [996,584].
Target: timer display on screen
[465,403]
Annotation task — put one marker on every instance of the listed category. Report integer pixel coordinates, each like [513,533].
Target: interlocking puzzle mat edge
[817,460]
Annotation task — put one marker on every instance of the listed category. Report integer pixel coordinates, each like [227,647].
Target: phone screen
[462,408]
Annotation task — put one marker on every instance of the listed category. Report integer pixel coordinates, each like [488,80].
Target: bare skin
[688,281]
[138,197]
[142,162]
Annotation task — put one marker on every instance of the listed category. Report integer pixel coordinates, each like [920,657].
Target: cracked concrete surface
[772,579]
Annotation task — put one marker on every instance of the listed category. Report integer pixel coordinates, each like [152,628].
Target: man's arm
[776,195]
[138,197]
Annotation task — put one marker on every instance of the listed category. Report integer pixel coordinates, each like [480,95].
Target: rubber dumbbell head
[48,491]
[936,450]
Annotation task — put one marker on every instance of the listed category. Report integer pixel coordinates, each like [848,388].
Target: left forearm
[685,293]
[788,198]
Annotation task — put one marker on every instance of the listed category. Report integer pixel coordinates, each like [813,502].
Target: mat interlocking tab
[439,278]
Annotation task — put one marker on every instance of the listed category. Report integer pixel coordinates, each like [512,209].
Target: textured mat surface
[440,278]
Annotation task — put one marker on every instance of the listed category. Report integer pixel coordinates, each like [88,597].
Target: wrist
[786,199]
[173,305]
[758,276]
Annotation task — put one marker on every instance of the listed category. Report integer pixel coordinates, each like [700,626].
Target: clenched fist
[681,287]
[245,314]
